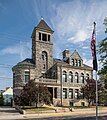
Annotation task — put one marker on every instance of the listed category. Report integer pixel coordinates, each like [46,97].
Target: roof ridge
[43,25]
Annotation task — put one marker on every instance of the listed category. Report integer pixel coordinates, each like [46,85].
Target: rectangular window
[27,76]
[48,37]
[39,36]
[64,93]
[71,93]
[44,37]
[76,93]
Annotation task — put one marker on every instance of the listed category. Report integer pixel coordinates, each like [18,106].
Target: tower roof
[43,26]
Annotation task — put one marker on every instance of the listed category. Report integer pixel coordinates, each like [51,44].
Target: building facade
[8,96]
[63,78]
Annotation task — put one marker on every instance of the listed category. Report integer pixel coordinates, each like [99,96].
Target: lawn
[34,109]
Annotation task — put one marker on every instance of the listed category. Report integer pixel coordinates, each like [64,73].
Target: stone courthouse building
[63,77]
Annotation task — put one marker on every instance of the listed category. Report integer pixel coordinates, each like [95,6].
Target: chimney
[66,54]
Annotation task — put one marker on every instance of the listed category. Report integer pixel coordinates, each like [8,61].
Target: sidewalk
[88,111]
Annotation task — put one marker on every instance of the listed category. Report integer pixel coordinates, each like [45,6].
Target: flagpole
[96,78]
[96,97]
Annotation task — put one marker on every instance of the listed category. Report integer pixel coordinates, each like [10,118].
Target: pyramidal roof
[43,25]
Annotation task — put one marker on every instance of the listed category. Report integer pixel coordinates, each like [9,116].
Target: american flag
[93,41]
[93,48]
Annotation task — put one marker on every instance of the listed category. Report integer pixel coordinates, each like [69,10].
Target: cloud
[58,53]
[85,47]
[22,49]
[74,20]
[87,62]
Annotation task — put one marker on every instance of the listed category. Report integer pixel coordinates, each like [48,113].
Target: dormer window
[79,63]
[76,63]
[72,62]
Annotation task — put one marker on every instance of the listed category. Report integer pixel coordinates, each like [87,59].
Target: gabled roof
[75,54]
[9,91]
[43,26]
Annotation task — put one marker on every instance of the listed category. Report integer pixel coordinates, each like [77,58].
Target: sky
[71,20]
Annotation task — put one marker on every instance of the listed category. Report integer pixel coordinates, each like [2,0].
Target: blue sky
[71,20]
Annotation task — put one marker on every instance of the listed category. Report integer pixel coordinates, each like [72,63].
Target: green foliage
[33,93]
[89,90]
[103,57]
[1,99]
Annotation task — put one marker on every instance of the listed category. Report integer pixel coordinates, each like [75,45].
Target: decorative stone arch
[70,76]
[64,76]
[76,77]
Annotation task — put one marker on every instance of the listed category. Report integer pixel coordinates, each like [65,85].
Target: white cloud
[22,49]
[74,19]
[79,37]
[87,62]
[85,47]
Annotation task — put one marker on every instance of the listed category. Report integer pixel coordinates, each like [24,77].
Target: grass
[33,108]
[79,107]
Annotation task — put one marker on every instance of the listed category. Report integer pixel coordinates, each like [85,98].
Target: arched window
[82,77]
[44,60]
[44,55]
[72,62]
[79,63]
[87,76]
[76,77]
[70,77]
[64,76]
[76,63]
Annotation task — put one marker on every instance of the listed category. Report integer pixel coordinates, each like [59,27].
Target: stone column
[53,93]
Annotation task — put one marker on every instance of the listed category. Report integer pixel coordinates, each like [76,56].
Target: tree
[89,91]
[1,99]
[33,93]
[103,55]
[102,50]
